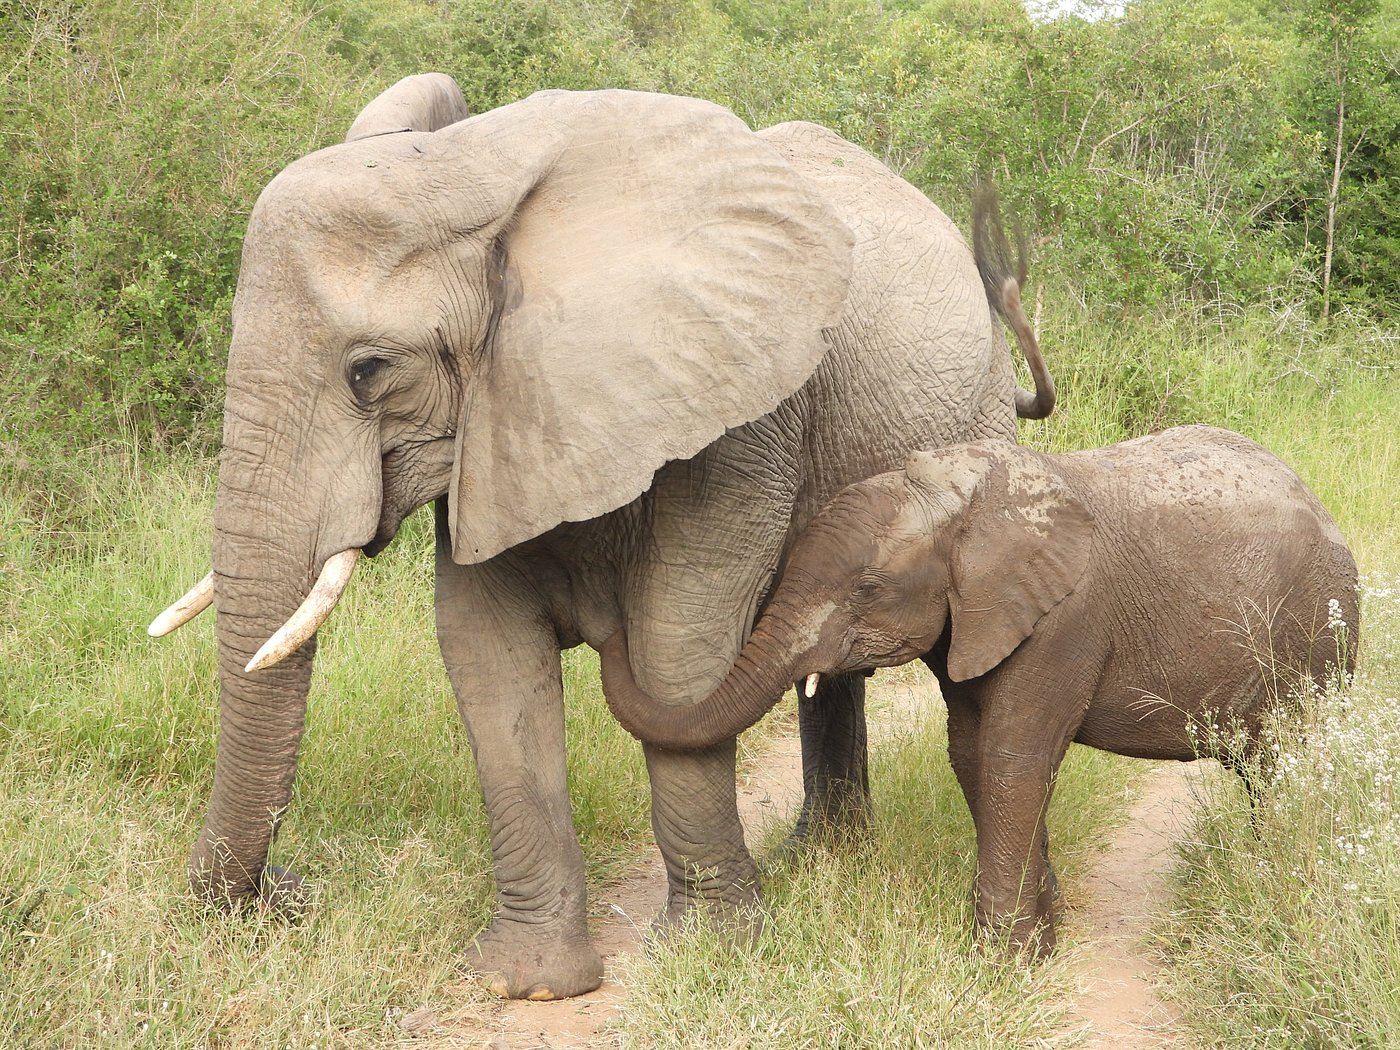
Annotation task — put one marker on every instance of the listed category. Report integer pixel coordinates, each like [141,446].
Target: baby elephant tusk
[312,613]
[811,687]
[195,601]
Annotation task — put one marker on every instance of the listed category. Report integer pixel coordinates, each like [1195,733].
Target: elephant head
[528,312]
[966,546]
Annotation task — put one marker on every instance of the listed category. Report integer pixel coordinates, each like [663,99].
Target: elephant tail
[1003,278]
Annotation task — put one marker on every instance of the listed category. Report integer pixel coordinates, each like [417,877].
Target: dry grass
[106,751]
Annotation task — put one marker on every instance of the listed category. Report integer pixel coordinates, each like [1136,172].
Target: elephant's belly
[1138,726]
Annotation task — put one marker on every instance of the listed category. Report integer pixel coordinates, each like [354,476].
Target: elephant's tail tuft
[1003,276]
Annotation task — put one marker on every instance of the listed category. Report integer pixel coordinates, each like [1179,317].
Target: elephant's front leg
[695,817]
[964,734]
[717,525]
[694,809]
[1013,887]
[1021,738]
[503,660]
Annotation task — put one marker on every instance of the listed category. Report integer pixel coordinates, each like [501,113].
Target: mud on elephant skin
[627,347]
[1149,598]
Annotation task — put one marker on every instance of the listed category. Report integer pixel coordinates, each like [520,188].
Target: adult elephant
[628,346]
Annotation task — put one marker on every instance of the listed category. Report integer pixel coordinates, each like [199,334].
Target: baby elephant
[1136,598]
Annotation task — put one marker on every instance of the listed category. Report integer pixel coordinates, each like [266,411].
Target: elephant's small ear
[665,275]
[1022,546]
[425,102]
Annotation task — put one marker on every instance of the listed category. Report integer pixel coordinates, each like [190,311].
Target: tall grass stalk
[1286,933]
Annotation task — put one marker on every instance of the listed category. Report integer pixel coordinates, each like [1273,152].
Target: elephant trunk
[767,665]
[261,718]
[264,563]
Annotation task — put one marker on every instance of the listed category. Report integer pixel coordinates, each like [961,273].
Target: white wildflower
[1334,614]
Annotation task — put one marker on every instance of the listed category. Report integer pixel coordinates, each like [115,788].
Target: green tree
[1338,25]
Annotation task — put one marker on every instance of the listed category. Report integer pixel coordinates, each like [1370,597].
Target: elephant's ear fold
[665,276]
[425,102]
[1021,548]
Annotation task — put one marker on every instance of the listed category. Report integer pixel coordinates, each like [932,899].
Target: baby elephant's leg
[1020,744]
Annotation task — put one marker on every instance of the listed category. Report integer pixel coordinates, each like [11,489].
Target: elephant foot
[1017,937]
[284,893]
[524,960]
[833,823]
[836,808]
[275,891]
[738,924]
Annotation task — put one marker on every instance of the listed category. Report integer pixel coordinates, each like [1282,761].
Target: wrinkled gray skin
[426,102]
[629,347]
[1134,598]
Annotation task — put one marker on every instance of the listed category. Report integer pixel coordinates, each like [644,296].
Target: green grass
[106,756]
[107,743]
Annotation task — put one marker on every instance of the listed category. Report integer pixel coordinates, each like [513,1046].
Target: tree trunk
[1339,77]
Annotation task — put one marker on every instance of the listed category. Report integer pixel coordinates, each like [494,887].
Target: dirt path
[1116,902]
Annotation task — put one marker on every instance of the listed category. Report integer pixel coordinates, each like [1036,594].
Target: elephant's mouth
[314,610]
[889,655]
[413,476]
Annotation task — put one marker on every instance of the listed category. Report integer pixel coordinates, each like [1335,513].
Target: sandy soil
[1109,915]
[1113,907]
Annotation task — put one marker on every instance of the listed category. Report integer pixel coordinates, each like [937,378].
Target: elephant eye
[363,373]
[867,587]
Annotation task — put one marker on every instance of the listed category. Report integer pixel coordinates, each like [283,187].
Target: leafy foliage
[138,139]
[1171,158]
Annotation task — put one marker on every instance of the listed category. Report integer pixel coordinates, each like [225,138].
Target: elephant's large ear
[665,276]
[1022,544]
[425,102]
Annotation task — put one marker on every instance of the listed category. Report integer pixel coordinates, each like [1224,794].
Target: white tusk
[811,687]
[307,620]
[195,601]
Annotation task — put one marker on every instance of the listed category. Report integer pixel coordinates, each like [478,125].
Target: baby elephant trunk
[762,673]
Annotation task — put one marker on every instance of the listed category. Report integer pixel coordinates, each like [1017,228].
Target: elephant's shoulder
[818,150]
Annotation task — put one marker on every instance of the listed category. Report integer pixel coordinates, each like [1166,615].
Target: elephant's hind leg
[835,772]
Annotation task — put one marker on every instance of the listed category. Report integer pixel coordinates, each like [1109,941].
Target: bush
[141,135]
[1170,158]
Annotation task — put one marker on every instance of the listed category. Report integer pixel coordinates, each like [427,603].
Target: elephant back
[917,361]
